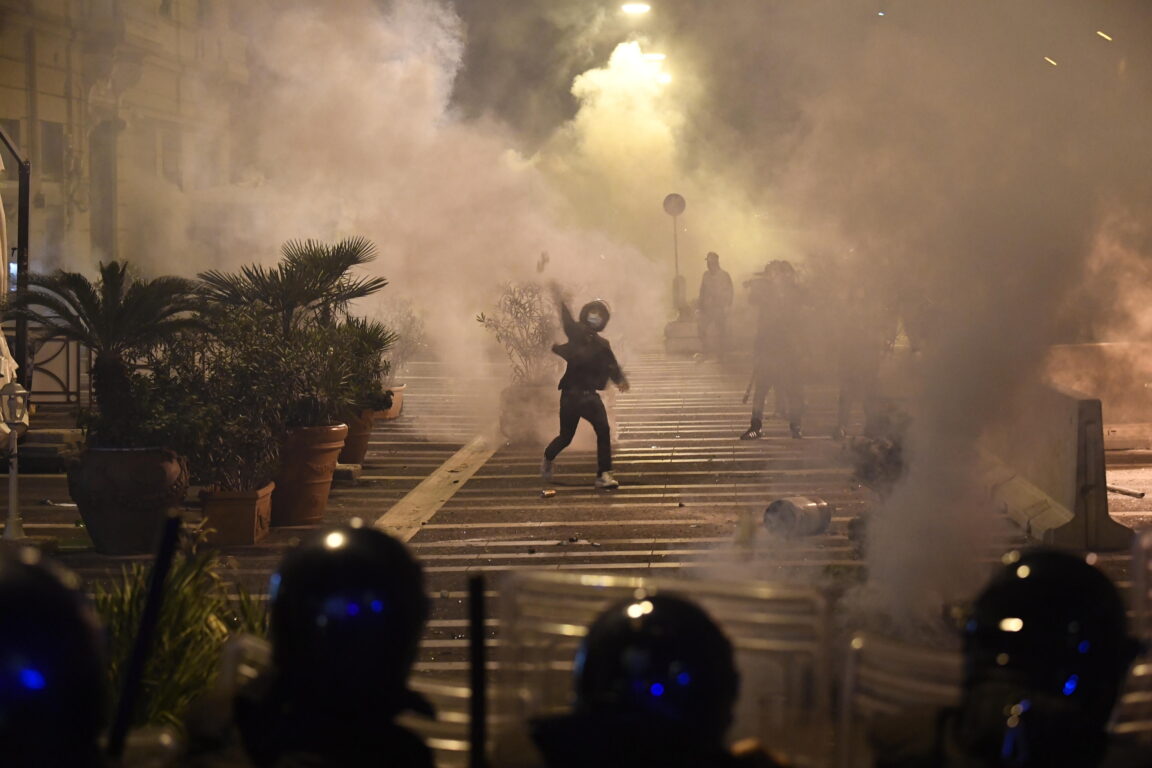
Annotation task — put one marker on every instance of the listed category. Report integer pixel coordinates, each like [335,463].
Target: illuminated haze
[997,200]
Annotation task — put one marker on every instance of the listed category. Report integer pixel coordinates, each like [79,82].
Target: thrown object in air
[797,516]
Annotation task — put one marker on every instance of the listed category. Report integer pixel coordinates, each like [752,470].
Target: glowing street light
[635,9]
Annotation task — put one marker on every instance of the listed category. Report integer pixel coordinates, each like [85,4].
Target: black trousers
[781,376]
[576,404]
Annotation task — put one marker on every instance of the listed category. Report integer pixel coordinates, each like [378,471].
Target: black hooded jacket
[589,356]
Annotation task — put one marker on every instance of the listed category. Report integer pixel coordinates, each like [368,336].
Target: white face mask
[595,320]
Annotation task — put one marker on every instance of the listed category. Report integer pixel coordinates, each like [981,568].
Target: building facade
[114,101]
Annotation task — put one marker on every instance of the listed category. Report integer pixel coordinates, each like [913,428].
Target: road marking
[408,515]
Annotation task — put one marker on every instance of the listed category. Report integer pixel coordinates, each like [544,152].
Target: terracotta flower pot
[397,403]
[307,463]
[238,517]
[359,433]
[123,494]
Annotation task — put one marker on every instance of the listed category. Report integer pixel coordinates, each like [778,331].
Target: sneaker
[796,431]
[605,480]
[546,470]
[751,434]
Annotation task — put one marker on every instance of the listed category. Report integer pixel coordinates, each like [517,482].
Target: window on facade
[12,128]
[51,150]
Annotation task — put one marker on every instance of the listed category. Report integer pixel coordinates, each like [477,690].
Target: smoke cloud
[980,167]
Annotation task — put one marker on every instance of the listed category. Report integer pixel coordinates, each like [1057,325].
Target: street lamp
[14,404]
[635,9]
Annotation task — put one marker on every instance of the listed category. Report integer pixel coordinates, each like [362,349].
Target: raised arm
[571,326]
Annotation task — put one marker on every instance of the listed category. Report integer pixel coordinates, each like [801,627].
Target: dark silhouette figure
[51,666]
[348,608]
[590,366]
[712,307]
[778,348]
[862,338]
[1046,652]
[655,686]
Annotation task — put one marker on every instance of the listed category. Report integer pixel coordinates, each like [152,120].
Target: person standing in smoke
[863,336]
[777,351]
[590,365]
[712,306]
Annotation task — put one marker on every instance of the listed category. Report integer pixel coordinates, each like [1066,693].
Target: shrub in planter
[125,480]
[410,342]
[364,342]
[226,394]
[304,297]
[525,325]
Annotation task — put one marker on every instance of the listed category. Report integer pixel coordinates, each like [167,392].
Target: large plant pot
[359,433]
[397,403]
[123,494]
[237,517]
[307,463]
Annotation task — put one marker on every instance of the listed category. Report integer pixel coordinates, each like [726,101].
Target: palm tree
[118,318]
[311,282]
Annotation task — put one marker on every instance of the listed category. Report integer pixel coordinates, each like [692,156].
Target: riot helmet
[348,608]
[658,658]
[1046,651]
[595,314]
[51,664]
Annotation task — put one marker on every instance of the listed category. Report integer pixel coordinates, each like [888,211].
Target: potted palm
[364,343]
[126,479]
[302,299]
[409,330]
[525,324]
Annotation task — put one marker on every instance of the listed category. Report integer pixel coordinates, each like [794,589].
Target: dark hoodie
[589,356]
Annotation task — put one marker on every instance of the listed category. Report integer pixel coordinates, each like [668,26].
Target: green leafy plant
[525,324]
[119,317]
[201,608]
[226,396]
[365,342]
[311,284]
[304,300]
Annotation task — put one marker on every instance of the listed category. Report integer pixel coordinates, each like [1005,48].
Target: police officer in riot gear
[347,611]
[777,352]
[51,666]
[591,364]
[1046,653]
[655,684]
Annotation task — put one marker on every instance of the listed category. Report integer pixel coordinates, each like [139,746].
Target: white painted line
[408,515]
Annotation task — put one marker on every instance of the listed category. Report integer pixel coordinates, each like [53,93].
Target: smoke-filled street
[766,382]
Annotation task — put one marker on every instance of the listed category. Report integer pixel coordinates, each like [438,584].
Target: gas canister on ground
[798,516]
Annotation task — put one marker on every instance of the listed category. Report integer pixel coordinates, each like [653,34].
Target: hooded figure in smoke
[1046,653]
[776,356]
[590,365]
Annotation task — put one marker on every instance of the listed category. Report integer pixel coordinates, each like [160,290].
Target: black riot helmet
[348,608]
[595,314]
[51,665]
[658,658]
[1046,652]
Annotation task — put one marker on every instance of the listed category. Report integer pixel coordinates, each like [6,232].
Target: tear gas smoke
[932,155]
